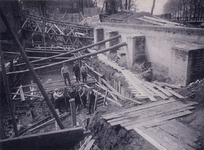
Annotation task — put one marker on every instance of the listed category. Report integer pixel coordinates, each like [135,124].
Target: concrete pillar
[186,65]
[195,65]
[135,49]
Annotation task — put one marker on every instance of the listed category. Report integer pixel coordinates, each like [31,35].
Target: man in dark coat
[76,70]
[91,101]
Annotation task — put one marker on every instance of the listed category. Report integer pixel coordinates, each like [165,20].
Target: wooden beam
[73,111]
[73,51]
[61,139]
[73,59]
[6,85]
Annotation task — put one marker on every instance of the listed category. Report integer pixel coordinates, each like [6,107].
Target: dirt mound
[116,138]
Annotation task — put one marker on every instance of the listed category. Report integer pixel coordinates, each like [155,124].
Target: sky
[146,5]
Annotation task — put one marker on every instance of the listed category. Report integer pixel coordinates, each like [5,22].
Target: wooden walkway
[157,124]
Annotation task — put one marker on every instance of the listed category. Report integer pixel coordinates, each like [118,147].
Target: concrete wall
[160,47]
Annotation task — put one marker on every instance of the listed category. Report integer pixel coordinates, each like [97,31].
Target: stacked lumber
[156,123]
[141,89]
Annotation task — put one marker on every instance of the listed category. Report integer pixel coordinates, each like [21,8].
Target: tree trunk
[125,4]
[129,5]
[153,5]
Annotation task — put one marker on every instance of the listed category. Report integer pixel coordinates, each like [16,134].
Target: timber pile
[141,89]
[156,123]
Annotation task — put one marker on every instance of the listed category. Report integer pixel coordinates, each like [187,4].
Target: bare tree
[153,5]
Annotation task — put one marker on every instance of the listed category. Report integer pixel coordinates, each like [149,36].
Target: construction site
[98,75]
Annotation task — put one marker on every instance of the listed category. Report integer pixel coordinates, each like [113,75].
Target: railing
[188,19]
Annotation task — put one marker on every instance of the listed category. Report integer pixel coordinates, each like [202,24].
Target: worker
[75,94]
[65,74]
[148,74]
[58,96]
[76,70]
[91,101]
[84,72]
[67,97]
[83,96]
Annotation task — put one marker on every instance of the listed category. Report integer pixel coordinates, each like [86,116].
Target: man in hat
[57,98]
[91,101]
[84,72]
[76,70]
[65,74]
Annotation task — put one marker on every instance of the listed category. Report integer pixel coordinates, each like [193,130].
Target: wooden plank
[163,122]
[151,87]
[171,139]
[111,115]
[176,94]
[151,111]
[146,116]
[167,84]
[180,133]
[163,90]
[149,139]
[158,119]
[89,145]
[183,127]
[85,143]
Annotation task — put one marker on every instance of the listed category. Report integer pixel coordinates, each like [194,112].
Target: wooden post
[99,78]
[21,93]
[6,84]
[105,103]
[95,104]
[23,54]
[119,87]
[73,111]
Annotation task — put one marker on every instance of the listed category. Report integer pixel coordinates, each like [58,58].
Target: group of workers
[77,70]
[80,94]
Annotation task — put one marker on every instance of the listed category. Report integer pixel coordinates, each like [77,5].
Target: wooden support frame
[31,69]
[95,104]
[73,59]
[73,51]
[6,84]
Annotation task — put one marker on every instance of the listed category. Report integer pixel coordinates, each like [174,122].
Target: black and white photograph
[102,75]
